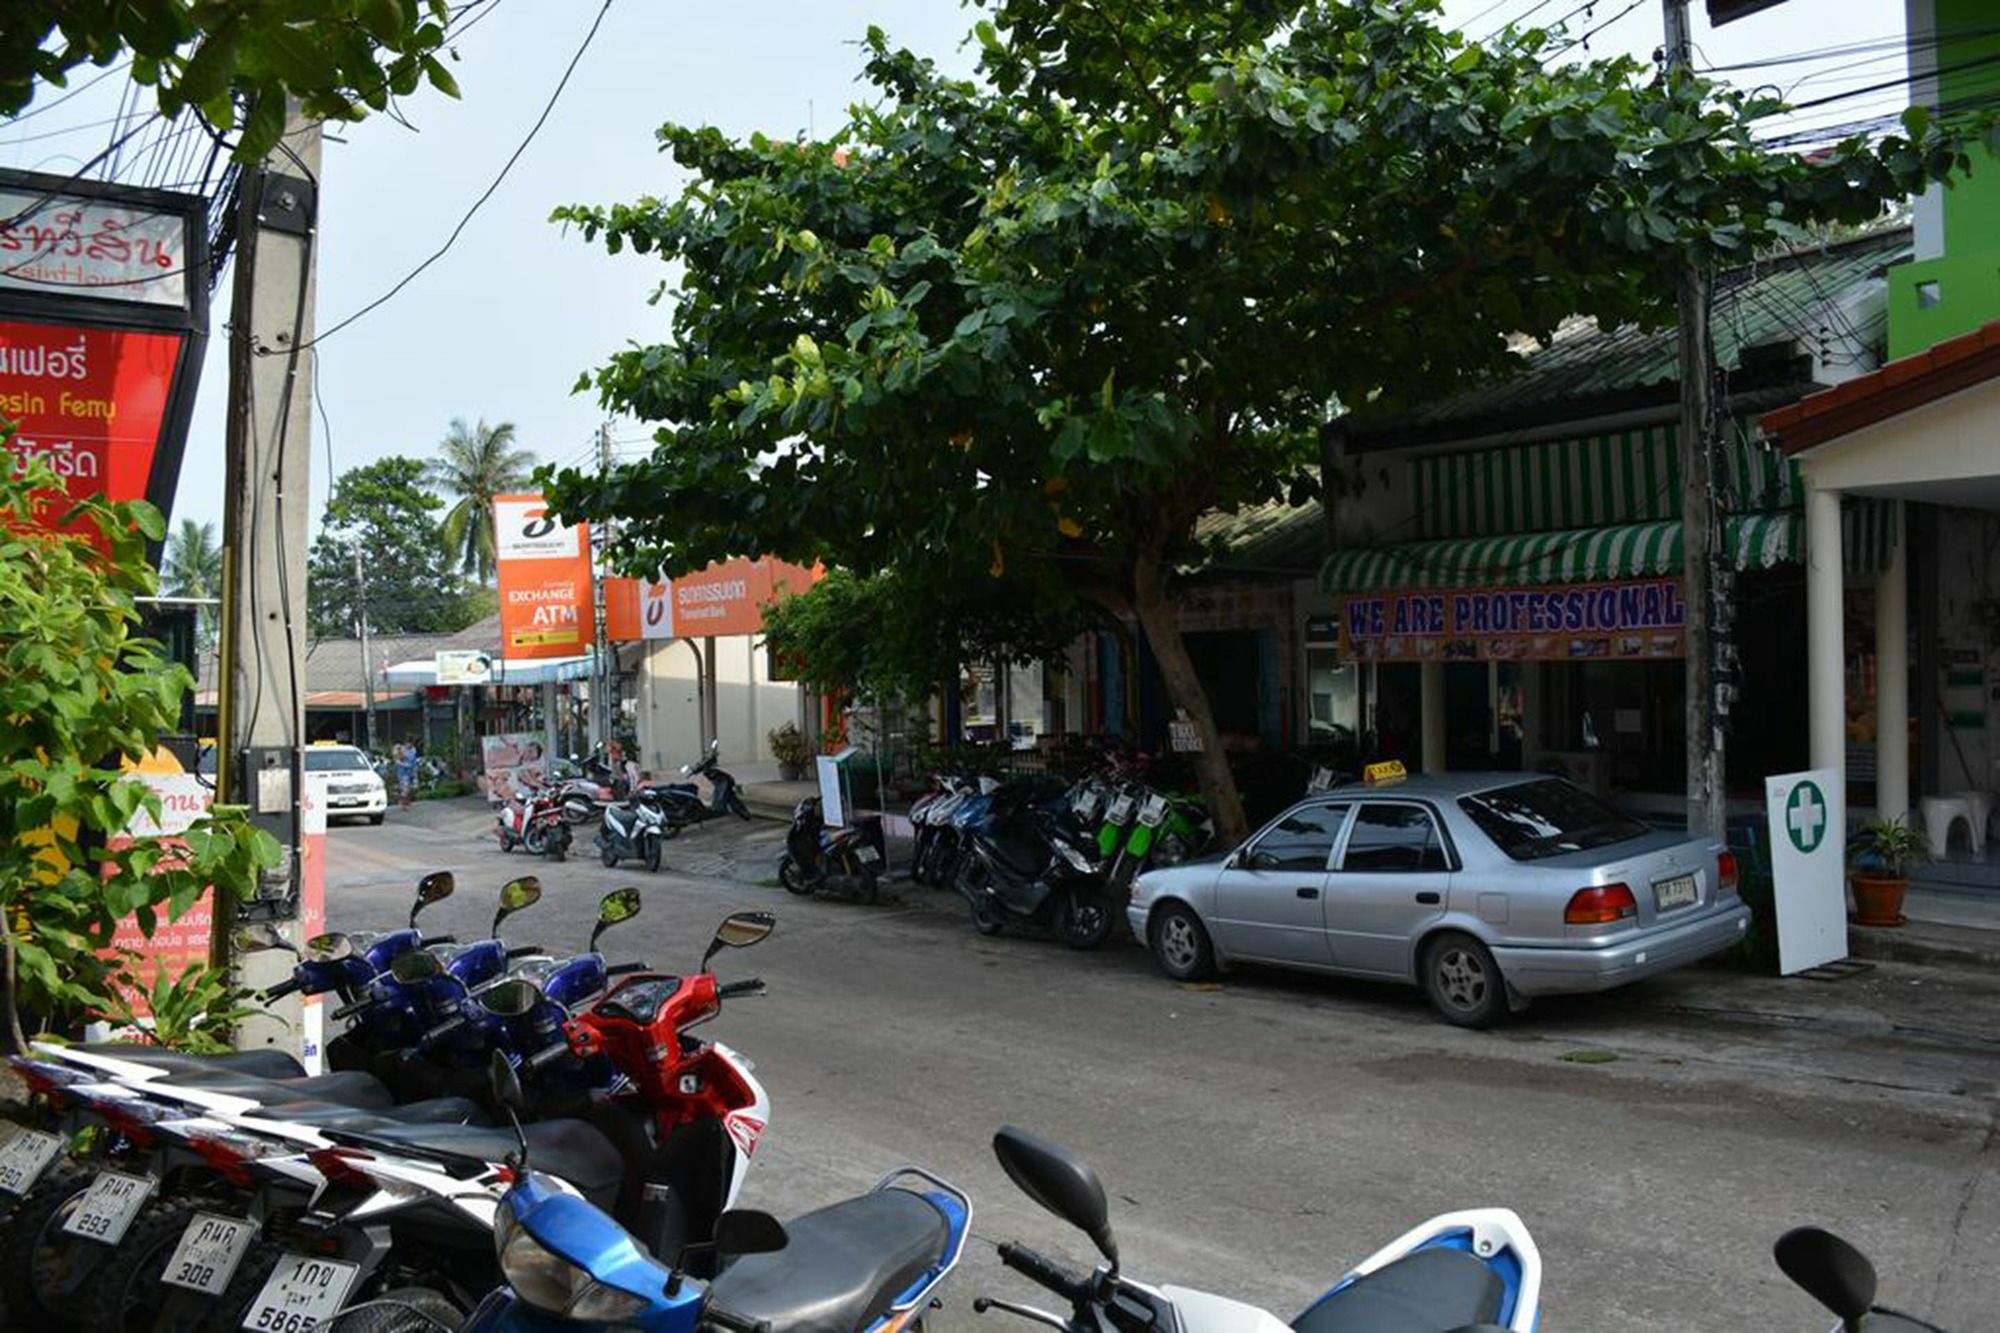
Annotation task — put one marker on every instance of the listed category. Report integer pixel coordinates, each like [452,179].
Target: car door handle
[1308,893]
[1429,898]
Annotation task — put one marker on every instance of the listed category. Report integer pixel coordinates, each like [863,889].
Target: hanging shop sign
[1632,618]
[464,666]
[726,598]
[103,321]
[544,569]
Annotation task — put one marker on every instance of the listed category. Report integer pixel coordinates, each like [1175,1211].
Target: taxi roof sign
[1388,771]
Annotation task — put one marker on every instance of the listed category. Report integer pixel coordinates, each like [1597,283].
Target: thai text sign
[1628,618]
[89,402]
[544,581]
[92,247]
[726,598]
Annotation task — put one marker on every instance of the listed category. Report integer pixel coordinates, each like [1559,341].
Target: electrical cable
[451,240]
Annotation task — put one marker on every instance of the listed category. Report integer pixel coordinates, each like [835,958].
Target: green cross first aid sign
[1808,819]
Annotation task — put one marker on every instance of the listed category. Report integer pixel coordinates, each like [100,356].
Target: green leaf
[440,77]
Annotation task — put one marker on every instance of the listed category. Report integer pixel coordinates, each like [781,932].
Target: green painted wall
[1967,275]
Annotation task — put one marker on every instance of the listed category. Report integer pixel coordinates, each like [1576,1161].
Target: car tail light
[1601,905]
[1725,871]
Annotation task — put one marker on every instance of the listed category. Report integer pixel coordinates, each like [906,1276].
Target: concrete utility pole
[367,652]
[268,444]
[602,670]
[1701,528]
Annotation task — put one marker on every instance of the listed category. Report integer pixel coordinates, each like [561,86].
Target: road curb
[1935,945]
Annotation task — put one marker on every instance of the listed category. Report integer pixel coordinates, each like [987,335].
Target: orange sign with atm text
[544,571]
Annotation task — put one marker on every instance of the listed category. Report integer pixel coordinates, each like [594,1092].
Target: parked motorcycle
[1840,1277]
[871,1263]
[682,800]
[844,861]
[1471,1270]
[536,824]
[633,830]
[1030,866]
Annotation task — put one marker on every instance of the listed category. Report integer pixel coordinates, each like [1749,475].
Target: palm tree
[193,568]
[474,464]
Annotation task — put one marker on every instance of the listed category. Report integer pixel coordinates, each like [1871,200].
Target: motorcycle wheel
[971,882]
[608,857]
[871,887]
[652,855]
[42,1271]
[129,1293]
[403,1310]
[228,1310]
[792,877]
[536,841]
[1084,920]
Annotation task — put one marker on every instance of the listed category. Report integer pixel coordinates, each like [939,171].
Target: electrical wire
[486,194]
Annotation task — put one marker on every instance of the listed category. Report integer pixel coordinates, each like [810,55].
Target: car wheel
[1180,944]
[1463,981]
[1084,920]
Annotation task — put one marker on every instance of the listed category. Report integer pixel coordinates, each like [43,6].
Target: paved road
[1260,1136]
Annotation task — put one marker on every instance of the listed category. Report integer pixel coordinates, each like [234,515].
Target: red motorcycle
[535,823]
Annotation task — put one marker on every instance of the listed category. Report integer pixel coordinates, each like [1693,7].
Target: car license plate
[24,1157]
[209,1251]
[303,1293]
[109,1206]
[1680,891]
[868,854]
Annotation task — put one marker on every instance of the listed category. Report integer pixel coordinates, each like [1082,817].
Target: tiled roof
[1902,384]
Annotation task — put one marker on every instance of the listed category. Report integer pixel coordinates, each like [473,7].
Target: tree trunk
[12,1000]
[1161,620]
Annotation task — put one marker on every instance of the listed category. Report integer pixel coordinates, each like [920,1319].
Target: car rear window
[335,761]
[1547,817]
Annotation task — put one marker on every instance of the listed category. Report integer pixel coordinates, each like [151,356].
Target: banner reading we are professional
[544,569]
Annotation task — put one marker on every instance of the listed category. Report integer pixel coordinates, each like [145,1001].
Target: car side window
[1302,840]
[1394,839]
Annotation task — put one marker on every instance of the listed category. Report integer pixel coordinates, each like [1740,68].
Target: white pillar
[1431,674]
[1826,651]
[1892,675]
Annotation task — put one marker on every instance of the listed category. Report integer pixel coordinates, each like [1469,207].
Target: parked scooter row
[235,1190]
[631,829]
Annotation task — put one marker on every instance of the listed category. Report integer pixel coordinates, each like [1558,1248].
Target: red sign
[544,569]
[725,598]
[88,402]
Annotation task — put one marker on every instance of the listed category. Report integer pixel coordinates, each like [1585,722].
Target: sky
[501,327]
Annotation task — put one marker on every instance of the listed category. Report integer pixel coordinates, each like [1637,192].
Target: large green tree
[1042,321]
[382,512]
[340,58]
[474,464]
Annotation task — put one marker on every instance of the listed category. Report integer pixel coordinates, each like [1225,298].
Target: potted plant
[1883,855]
[790,748]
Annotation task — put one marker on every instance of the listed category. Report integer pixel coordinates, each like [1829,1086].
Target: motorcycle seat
[271,1063]
[352,1088]
[359,1119]
[1431,1290]
[841,1267]
[571,1149]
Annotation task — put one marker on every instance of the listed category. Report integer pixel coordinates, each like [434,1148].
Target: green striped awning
[1579,555]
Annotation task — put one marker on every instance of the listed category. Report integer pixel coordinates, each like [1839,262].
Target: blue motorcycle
[345,964]
[870,1264]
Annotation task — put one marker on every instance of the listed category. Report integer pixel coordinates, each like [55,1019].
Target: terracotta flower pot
[1878,899]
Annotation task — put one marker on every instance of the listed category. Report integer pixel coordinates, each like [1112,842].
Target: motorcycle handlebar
[1046,1271]
[548,1055]
[444,1029]
[525,951]
[432,941]
[350,1010]
[624,969]
[734,989]
[281,990]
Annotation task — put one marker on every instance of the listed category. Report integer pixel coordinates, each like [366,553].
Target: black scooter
[682,803]
[847,861]
[1030,866]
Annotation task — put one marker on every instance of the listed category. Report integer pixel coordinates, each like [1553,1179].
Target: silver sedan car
[1485,889]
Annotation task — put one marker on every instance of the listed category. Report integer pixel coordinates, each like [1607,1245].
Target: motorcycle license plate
[303,1293]
[1120,811]
[109,1206]
[208,1253]
[868,854]
[24,1157]
[1153,812]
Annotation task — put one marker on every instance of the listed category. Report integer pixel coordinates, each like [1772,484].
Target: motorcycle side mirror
[260,935]
[1829,1270]
[332,947]
[614,907]
[715,746]
[739,930]
[1059,1181]
[505,1085]
[748,1231]
[434,887]
[514,895]
[510,999]
[416,965]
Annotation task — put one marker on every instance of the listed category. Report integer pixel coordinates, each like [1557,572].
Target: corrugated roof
[1771,301]
[1272,538]
[335,664]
